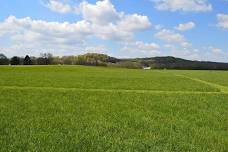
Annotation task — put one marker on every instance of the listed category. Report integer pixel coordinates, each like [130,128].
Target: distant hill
[95,59]
[167,62]
[170,62]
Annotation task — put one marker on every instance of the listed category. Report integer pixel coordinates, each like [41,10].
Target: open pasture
[76,108]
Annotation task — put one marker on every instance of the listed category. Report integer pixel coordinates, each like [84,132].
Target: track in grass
[223,89]
[110,90]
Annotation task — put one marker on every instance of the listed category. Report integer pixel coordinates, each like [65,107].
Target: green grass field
[76,108]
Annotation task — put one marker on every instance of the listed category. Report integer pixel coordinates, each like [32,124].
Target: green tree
[27,60]
[3,60]
[15,60]
[70,60]
[45,59]
[57,60]
[33,60]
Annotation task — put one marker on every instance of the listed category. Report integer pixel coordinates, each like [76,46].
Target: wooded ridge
[95,59]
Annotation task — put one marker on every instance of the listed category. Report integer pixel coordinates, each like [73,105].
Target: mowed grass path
[74,108]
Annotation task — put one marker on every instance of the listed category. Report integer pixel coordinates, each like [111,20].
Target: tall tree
[15,60]
[3,60]
[27,60]
[33,60]
[45,59]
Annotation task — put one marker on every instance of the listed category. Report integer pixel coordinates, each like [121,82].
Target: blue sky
[191,29]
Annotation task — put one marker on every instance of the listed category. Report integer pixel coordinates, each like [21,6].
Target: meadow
[78,108]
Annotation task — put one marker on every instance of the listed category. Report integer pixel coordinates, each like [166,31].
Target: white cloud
[182,52]
[183,5]
[222,21]
[31,30]
[111,32]
[177,45]
[158,27]
[100,20]
[96,49]
[204,54]
[103,12]
[57,6]
[139,48]
[134,22]
[147,46]
[212,53]
[108,23]
[215,50]
[27,34]
[170,36]
[185,26]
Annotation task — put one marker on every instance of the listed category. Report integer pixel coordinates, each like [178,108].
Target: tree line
[95,59]
[44,59]
[92,59]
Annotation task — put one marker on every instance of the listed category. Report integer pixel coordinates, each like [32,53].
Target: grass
[97,78]
[69,108]
[218,77]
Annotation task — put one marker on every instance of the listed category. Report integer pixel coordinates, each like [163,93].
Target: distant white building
[146,68]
